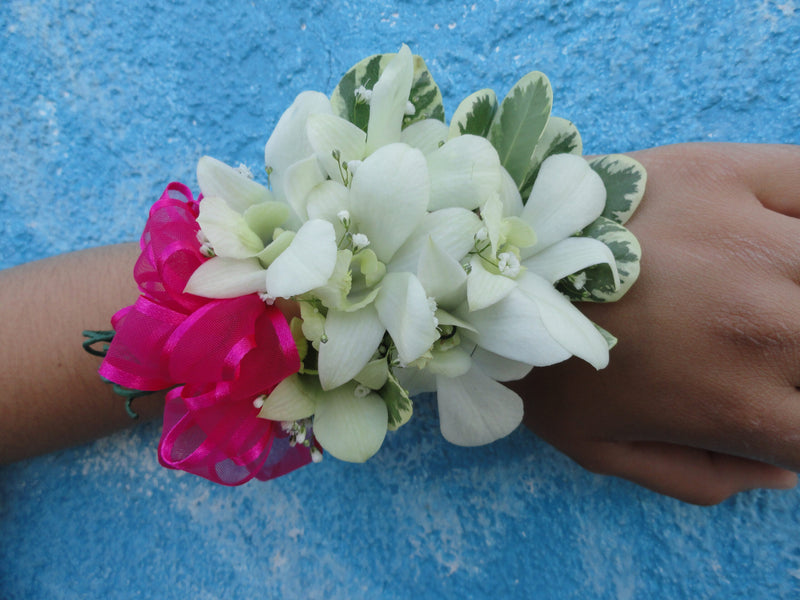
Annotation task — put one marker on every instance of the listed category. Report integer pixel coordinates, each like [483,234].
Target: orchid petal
[222,277]
[300,179]
[450,363]
[404,310]
[352,339]
[306,264]
[509,195]
[463,172]
[291,400]
[484,288]
[513,328]
[389,197]
[329,133]
[499,367]
[326,201]
[263,218]
[452,229]
[565,323]
[566,197]
[289,142]
[227,230]
[416,381]
[427,135]
[389,99]
[474,409]
[350,427]
[571,256]
[216,179]
[441,275]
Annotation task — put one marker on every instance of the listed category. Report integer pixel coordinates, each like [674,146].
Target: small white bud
[482,234]
[244,170]
[410,109]
[363,94]
[316,455]
[580,280]
[361,391]
[343,216]
[360,240]
[259,402]
[508,264]
[265,297]
[352,165]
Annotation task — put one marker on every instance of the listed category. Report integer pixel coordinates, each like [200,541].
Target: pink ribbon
[217,355]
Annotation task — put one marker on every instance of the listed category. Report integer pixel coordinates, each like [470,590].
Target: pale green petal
[306,264]
[416,381]
[499,367]
[404,310]
[566,197]
[216,179]
[293,399]
[492,215]
[374,374]
[227,278]
[329,133]
[513,328]
[484,288]
[275,248]
[389,99]
[289,142]
[453,362]
[568,326]
[427,135]
[334,293]
[389,197]
[474,409]
[517,232]
[300,179]
[464,172]
[452,229]
[227,230]
[350,427]
[263,218]
[441,275]
[445,318]
[571,256]
[353,337]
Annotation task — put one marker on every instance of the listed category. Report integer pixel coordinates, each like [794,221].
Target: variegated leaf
[474,115]
[519,123]
[398,403]
[424,95]
[596,284]
[610,338]
[625,181]
[559,137]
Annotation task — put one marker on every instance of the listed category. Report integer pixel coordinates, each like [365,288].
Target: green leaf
[520,122]
[474,115]
[425,94]
[599,279]
[559,137]
[625,181]
[398,404]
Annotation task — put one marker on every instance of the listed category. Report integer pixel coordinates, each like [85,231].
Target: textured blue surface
[102,104]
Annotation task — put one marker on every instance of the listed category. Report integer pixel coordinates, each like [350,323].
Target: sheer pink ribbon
[217,355]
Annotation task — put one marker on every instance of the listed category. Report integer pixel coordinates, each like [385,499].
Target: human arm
[700,399]
[50,392]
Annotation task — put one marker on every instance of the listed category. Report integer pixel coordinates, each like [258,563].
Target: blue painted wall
[101,104]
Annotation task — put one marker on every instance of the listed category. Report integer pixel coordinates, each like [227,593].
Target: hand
[701,399]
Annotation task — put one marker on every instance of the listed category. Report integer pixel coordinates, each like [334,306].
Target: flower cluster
[416,256]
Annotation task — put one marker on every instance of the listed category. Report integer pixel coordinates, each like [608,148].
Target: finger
[772,171]
[689,474]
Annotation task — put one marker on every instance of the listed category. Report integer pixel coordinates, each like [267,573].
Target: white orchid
[414,261]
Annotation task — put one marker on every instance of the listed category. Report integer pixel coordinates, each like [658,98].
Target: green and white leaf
[475,114]
[398,402]
[424,95]
[520,122]
[611,339]
[559,137]
[625,180]
[598,285]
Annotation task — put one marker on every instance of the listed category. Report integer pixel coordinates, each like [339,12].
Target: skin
[700,400]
